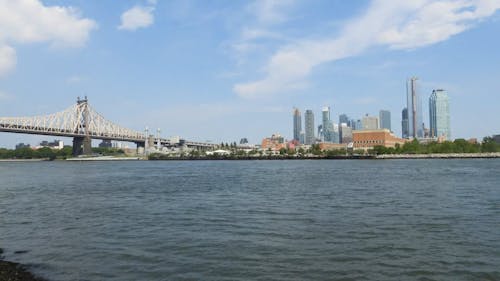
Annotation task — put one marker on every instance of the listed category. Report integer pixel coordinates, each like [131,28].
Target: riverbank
[104,158]
[11,271]
[440,156]
[334,157]
[24,160]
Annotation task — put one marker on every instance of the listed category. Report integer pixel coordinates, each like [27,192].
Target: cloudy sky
[223,70]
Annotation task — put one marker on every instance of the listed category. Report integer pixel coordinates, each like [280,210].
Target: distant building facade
[405,130]
[309,124]
[439,114]
[384,118]
[56,144]
[343,118]
[22,145]
[327,126]
[371,138]
[106,144]
[414,106]
[297,124]
[369,122]
[345,133]
[496,138]
[274,143]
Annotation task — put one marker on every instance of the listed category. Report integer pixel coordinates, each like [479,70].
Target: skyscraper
[404,124]
[369,122]
[297,124]
[439,114]
[343,118]
[414,106]
[309,124]
[327,124]
[385,119]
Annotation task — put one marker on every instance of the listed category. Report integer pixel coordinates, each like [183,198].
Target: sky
[225,70]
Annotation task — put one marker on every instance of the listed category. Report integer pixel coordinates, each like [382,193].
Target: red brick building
[371,138]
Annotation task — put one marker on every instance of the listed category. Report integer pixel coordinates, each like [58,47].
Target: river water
[253,220]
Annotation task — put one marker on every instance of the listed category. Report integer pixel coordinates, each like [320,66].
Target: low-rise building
[371,138]
[332,146]
[275,143]
[496,138]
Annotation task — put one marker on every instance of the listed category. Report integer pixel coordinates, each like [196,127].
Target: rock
[11,271]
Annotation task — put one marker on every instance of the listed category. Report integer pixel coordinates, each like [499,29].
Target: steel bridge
[82,123]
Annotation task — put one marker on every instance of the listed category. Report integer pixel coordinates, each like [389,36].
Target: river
[253,220]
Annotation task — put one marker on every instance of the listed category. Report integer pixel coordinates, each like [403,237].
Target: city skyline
[199,70]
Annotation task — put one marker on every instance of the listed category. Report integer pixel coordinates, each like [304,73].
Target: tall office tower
[404,124]
[359,125]
[343,118]
[385,119]
[369,122]
[414,106]
[345,133]
[439,114]
[327,124]
[352,124]
[297,124]
[309,124]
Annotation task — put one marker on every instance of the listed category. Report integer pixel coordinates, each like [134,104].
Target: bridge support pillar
[82,145]
[141,148]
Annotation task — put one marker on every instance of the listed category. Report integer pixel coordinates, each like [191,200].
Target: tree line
[51,154]
[456,146]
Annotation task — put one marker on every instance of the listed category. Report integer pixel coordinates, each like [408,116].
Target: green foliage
[107,151]
[28,153]
[65,152]
[315,150]
[335,152]
[457,146]
[489,145]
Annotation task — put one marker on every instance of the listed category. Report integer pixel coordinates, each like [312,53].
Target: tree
[45,152]
[489,145]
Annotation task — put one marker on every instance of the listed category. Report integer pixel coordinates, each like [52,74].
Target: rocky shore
[11,271]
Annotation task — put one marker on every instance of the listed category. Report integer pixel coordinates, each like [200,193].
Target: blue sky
[223,70]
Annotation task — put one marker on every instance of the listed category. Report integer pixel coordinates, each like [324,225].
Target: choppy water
[254,220]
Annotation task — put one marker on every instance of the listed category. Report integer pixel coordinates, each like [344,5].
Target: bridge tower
[82,145]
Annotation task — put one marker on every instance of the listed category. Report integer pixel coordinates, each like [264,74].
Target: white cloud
[270,11]
[265,15]
[137,17]
[8,59]
[29,21]
[397,24]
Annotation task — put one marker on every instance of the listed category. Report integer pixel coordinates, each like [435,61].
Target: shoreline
[486,155]
[489,155]
[343,157]
[12,271]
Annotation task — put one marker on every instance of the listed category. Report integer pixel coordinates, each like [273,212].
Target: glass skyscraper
[330,130]
[343,118]
[309,124]
[327,124]
[439,114]
[404,124]
[385,119]
[414,106]
[297,124]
